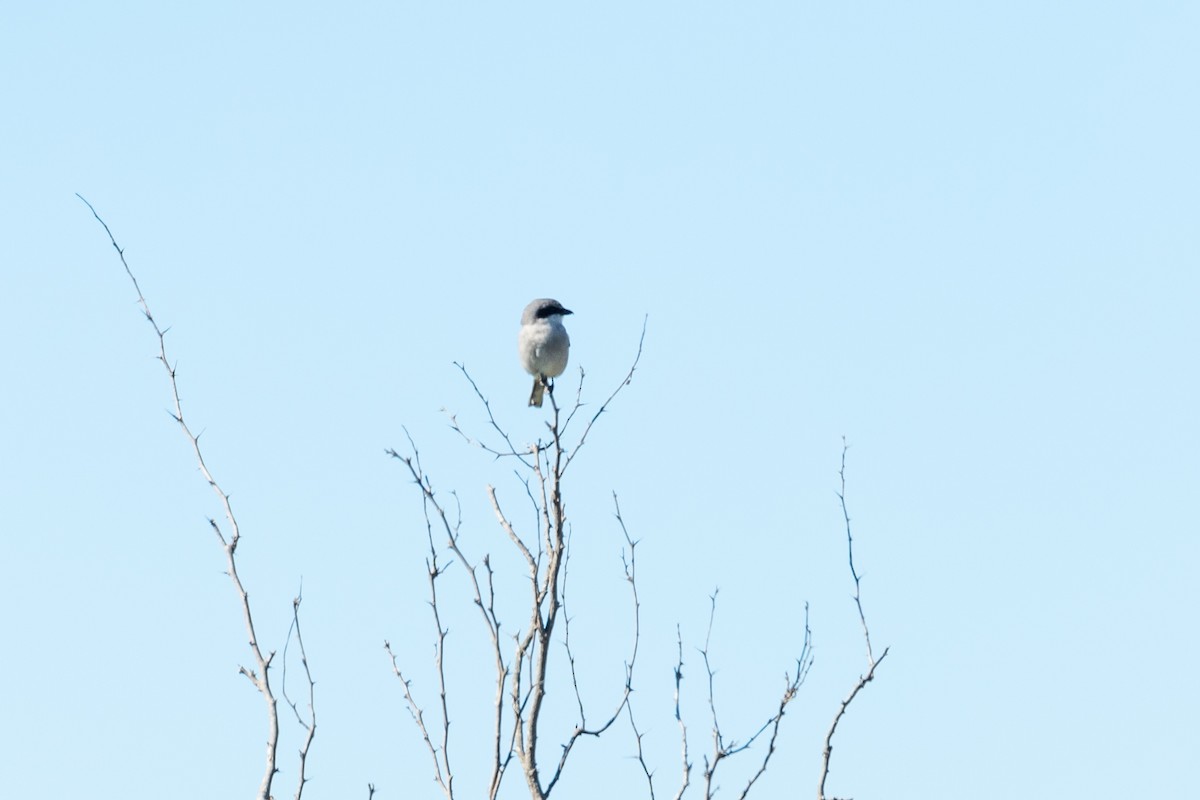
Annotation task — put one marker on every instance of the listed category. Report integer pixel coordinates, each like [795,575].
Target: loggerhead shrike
[543,344]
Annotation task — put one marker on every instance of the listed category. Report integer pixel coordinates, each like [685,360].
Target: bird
[543,344]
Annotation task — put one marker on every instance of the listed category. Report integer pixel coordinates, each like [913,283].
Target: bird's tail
[535,397]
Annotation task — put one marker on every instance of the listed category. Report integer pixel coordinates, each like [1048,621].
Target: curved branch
[872,662]
[603,406]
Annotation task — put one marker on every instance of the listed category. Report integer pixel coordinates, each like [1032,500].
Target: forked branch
[523,678]
[723,748]
[436,516]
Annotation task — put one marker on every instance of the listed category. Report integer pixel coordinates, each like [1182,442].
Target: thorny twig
[512,450]
[259,674]
[310,727]
[872,662]
[582,729]
[443,773]
[687,764]
[419,719]
[487,610]
[603,406]
[723,749]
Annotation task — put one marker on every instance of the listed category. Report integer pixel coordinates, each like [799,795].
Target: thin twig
[723,749]
[872,662]
[581,729]
[259,675]
[791,687]
[604,406]
[567,636]
[512,450]
[486,609]
[641,755]
[310,727]
[719,748]
[850,553]
[419,719]
[687,765]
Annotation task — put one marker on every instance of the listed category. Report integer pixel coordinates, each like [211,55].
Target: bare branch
[567,636]
[581,729]
[872,662]
[850,553]
[631,576]
[687,765]
[641,755]
[259,675]
[512,534]
[419,719]
[720,750]
[603,406]
[791,686]
[723,749]
[310,727]
[486,609]
[512,450]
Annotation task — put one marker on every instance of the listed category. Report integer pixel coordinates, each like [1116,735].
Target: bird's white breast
[544,346]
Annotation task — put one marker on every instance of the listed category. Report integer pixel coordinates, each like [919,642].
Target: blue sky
[963,236]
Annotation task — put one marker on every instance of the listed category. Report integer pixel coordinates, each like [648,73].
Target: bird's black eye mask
[550,311]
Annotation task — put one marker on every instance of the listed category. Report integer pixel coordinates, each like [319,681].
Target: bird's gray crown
[542,308]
